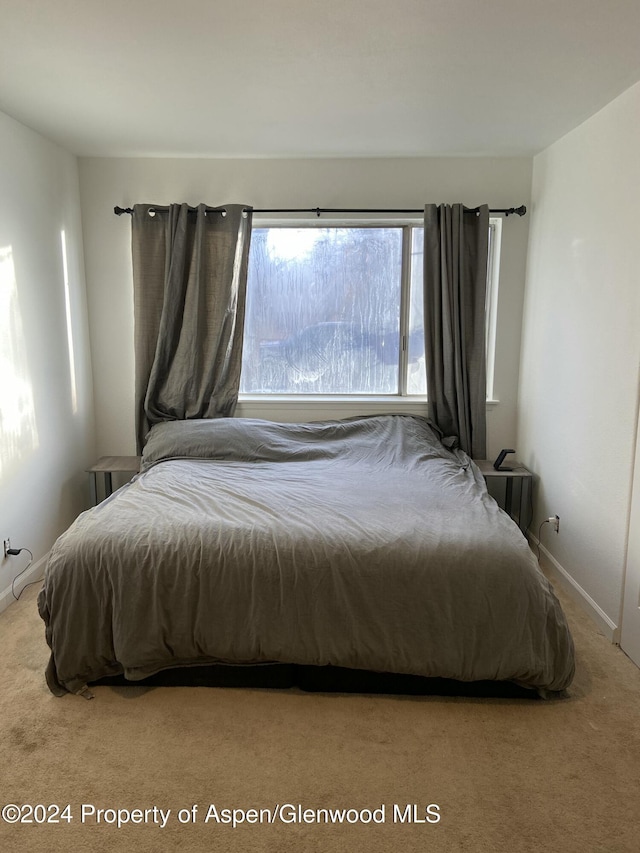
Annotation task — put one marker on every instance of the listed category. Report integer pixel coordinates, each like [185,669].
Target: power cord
[553,519]
[13,552]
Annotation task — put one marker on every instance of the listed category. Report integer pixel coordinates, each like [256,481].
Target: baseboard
[558,573]
[34,571]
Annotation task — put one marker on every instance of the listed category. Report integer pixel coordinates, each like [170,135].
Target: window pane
[417,376]
[323,311]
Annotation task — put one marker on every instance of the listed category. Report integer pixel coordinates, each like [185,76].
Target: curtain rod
[520,211]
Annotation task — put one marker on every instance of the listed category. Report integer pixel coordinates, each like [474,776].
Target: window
[336,309]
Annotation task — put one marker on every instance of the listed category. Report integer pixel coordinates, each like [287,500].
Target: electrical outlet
[6,545]
[556,524]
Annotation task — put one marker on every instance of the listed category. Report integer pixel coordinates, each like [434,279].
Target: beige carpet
[507,775]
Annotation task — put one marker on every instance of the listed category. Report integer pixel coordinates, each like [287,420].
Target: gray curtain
[189,275]
[455,281]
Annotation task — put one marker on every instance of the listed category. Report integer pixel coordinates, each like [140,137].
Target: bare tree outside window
[323,311]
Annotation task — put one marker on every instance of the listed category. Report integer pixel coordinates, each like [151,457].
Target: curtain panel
[190,277]
[455,280]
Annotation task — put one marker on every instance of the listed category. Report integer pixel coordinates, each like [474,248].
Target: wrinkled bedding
[364,544]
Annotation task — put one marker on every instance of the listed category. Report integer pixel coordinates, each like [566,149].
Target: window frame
[400,400]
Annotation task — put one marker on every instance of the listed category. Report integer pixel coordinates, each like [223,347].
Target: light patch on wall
[67,306]
[18,431]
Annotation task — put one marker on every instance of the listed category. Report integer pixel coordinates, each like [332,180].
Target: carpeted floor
[508,775]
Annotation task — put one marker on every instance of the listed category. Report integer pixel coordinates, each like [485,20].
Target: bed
[364,544]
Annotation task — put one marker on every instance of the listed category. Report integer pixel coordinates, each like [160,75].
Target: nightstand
[518,510]
[108,465]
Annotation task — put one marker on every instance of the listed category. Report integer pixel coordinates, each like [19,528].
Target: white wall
[581,345]
[46,403]
[391,183]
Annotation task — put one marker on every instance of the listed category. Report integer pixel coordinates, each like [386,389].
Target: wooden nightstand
[520,510]
[108,465]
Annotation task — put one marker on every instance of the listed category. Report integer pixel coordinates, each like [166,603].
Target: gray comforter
[363,543]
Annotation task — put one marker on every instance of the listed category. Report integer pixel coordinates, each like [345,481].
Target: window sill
[331,399]
[299,407]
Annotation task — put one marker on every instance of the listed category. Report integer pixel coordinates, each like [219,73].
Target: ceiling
[313,78]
